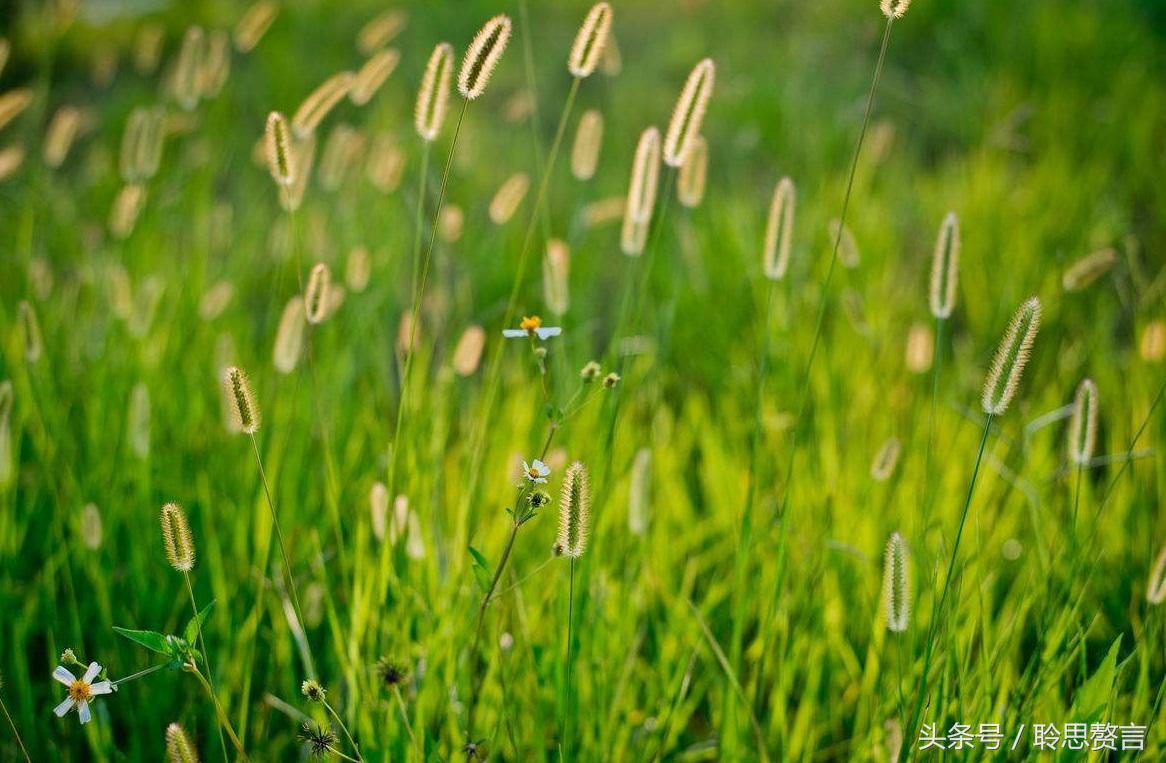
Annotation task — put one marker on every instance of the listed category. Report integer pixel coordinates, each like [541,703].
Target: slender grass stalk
[420,751]
[224,721]
[206,656]
[566,744]
[15,733]
[343,727]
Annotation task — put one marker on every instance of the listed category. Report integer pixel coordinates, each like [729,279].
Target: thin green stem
[344,728]
[206,656]
[223,720]
[567,693]
[408,726]
[15,733]
[140,674]
[306,649]
[937,609]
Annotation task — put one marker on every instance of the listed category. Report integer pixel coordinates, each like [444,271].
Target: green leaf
[478,558]
[1091,700]
[481,569]
[192,627]
[152,640]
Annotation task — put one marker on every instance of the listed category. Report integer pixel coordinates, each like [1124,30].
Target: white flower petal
[64,707]
[513,333]
[101,687]
[83,711]
[548,332]
[64,676]
[91,673]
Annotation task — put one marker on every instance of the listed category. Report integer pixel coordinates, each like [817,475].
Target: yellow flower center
[79,691]
[531,324]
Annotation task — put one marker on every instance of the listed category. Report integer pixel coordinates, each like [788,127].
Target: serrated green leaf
[190,633]
[152,640]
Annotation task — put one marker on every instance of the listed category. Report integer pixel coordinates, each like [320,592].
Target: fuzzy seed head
[587,50]
[59,137]
[588,142]
[779,230]
[92,531]
[13,103]
[185,84]
[509,196]
[254,24]
[141,145]
[920,348]
[216,65]
[372,75]
[848,253]
[1083,423]
[303,159]
[1088,269]
[321,101]
[127,206]
[177,538]
[382,30]
[289,337]
[639,494]
[894,9]
[178,746]
[688,115]
[886,460]
[30,332]
[468,353]
[316,294]
[482,57]
[693,173]
[277,146]
[641,198]
[1156,589]
[945,268]
[433,97]
[237,388]
[574,511]
[1011,358]
[556,276]
[1153,344]
[896,584]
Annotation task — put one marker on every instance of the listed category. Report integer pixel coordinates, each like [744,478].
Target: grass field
[390,575]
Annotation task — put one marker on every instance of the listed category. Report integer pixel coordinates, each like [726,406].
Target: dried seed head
[641,198]
[510,195]
[141,145]
[177,538]
[482,56]
[433,97]
[321,101]
[590,41]
[1156,589]
[216,65]
[588,142]
[138,424]
[574,511]
[1088,269]
[381,30]
[691,181]
[372,75]
[468,353]
[13,103]
[386,164]
[779,230]
[30,332]
[688,116]
[1011,357]
[945,267]
[289,337]
[316,294]
[886,460]
[178,746]
[848,253]
[277,147]
[1083,423]
[896,584]
[127,205]
[254,24]
[184,83]
[639,494]
[894,8]
[556,276]
[237,387]
[920,348]
[60,135]
[1153,344]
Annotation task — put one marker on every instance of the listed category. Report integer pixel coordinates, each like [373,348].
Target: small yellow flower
[530,324]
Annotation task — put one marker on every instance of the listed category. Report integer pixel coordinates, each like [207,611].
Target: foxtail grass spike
[886,460]
[178,746]
[381,30]
[1152,347]
[277,146]
[641,198]
[320,103]
[468,353]
[185,82]
[216,65]
[945,266]
[254,24]
[1088,269]
[688,115]
[1156,589]
[177,538]
[433,97]
[556,276]
[316,294]
[304,157]
[13,103]
[640,493]
[896,584]
[920,348]
[237,387]
[1011,357]
[590,41]
[30,332]
[505,203]
[574,512]
[1083,423]
[693,173]
[372,75]
[61,133]
[588,142]
[482,57]
[289,337]
[779,230]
